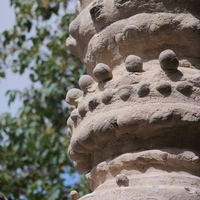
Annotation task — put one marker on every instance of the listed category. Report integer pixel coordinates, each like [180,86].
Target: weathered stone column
[135,121]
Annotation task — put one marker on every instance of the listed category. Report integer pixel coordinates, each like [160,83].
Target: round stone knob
[164,88]
[168,60]
[184,88]
[74,115]
[86,82]
[133,63]
[122,180]
[102,72]
[73,95]
[106,96]
[73,195]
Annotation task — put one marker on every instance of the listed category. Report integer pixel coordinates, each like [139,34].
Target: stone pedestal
[154,174]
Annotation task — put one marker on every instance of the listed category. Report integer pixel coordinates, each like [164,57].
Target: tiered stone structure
[135,121]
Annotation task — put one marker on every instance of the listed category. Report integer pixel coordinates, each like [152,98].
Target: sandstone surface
[135,121]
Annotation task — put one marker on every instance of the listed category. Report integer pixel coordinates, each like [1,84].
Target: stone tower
[135,121]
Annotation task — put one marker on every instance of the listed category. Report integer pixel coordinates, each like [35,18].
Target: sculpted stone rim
[85,142]
[135,30]
[135,100]
[135,27]
[170,159]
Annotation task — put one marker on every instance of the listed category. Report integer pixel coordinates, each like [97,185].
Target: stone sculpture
[135,121]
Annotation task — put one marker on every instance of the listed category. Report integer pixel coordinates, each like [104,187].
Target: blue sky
[13,81]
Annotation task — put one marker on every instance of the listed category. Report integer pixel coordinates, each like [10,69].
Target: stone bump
[168,60]
[86,82]
[133,63]
[164,88]
[74,115]
[102,72]
[184,88]
[73,195]
[83,109]
[125,92]
[118,37]
[93,103]
[73,95]
[106,96]
[143,89]
[122,180]
[131,31]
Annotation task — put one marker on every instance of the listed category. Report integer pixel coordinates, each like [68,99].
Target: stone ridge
[112,25]
[168,159]
[111,115]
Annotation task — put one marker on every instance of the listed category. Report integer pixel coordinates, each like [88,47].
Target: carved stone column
[135,121]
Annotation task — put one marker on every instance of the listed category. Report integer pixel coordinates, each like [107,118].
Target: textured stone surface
[73,195]
[115,30]
[168,60]
[135,123]
[121,111]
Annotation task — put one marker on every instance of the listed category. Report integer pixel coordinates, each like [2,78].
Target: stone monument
[135,121]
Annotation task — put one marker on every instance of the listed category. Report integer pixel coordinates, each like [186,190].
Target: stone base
[146,193]
[151,186]
[148,175]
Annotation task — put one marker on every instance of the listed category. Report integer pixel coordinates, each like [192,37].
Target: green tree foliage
[33,144]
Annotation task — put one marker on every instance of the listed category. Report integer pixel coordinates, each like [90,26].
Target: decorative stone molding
[135,121]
